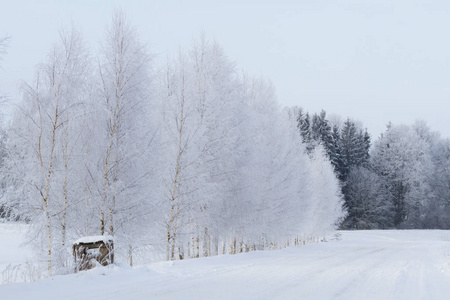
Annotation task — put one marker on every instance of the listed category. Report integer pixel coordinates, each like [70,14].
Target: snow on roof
[94,239]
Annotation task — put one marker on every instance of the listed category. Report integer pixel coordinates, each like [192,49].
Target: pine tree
[349,149]
[304,125]
[336,155]
[366,147]
[321,133]
[366,201]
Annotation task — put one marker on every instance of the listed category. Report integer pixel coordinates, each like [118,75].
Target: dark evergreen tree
[336,156]
[326,135]
[366,147]
[304,125]
[322,134]
[345,148]
[367,202]
[349,149]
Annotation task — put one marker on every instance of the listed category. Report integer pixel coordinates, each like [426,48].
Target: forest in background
[401,181]
[190,158]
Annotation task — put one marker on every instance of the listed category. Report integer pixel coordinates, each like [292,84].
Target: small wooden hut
[90,251]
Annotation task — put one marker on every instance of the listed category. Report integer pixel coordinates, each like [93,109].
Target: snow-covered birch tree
[125,134]
[39,141]
[124,96]
[179,130]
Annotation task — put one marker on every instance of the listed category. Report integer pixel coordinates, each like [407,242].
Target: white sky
[372,60]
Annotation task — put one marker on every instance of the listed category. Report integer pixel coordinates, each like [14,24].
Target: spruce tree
[304,125]
[349,142]
[336,156]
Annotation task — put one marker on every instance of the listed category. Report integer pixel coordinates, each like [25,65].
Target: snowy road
[362,265]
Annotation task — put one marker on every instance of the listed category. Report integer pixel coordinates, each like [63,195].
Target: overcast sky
[372,60]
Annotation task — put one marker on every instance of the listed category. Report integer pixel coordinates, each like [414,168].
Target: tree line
[176,160]
[401,181]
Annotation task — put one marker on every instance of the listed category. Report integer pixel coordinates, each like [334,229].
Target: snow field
[13,253]
[360,265]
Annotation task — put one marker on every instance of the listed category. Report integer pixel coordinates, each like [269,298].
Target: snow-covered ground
[360,265]
[13,254]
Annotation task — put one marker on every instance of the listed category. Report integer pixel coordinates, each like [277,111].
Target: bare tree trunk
[86,203]
[223,247]
[130,254]
[49,241]
[64,222]
[188,249]
[103,205]
[47,175]
[205,243]
[170,231]
[232,246]
[217,245]
[65,197]
[115,179]
[208,244]
[197,245]
[180,253]
[111,215]
[174,233]
[168,237]
[172,250]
